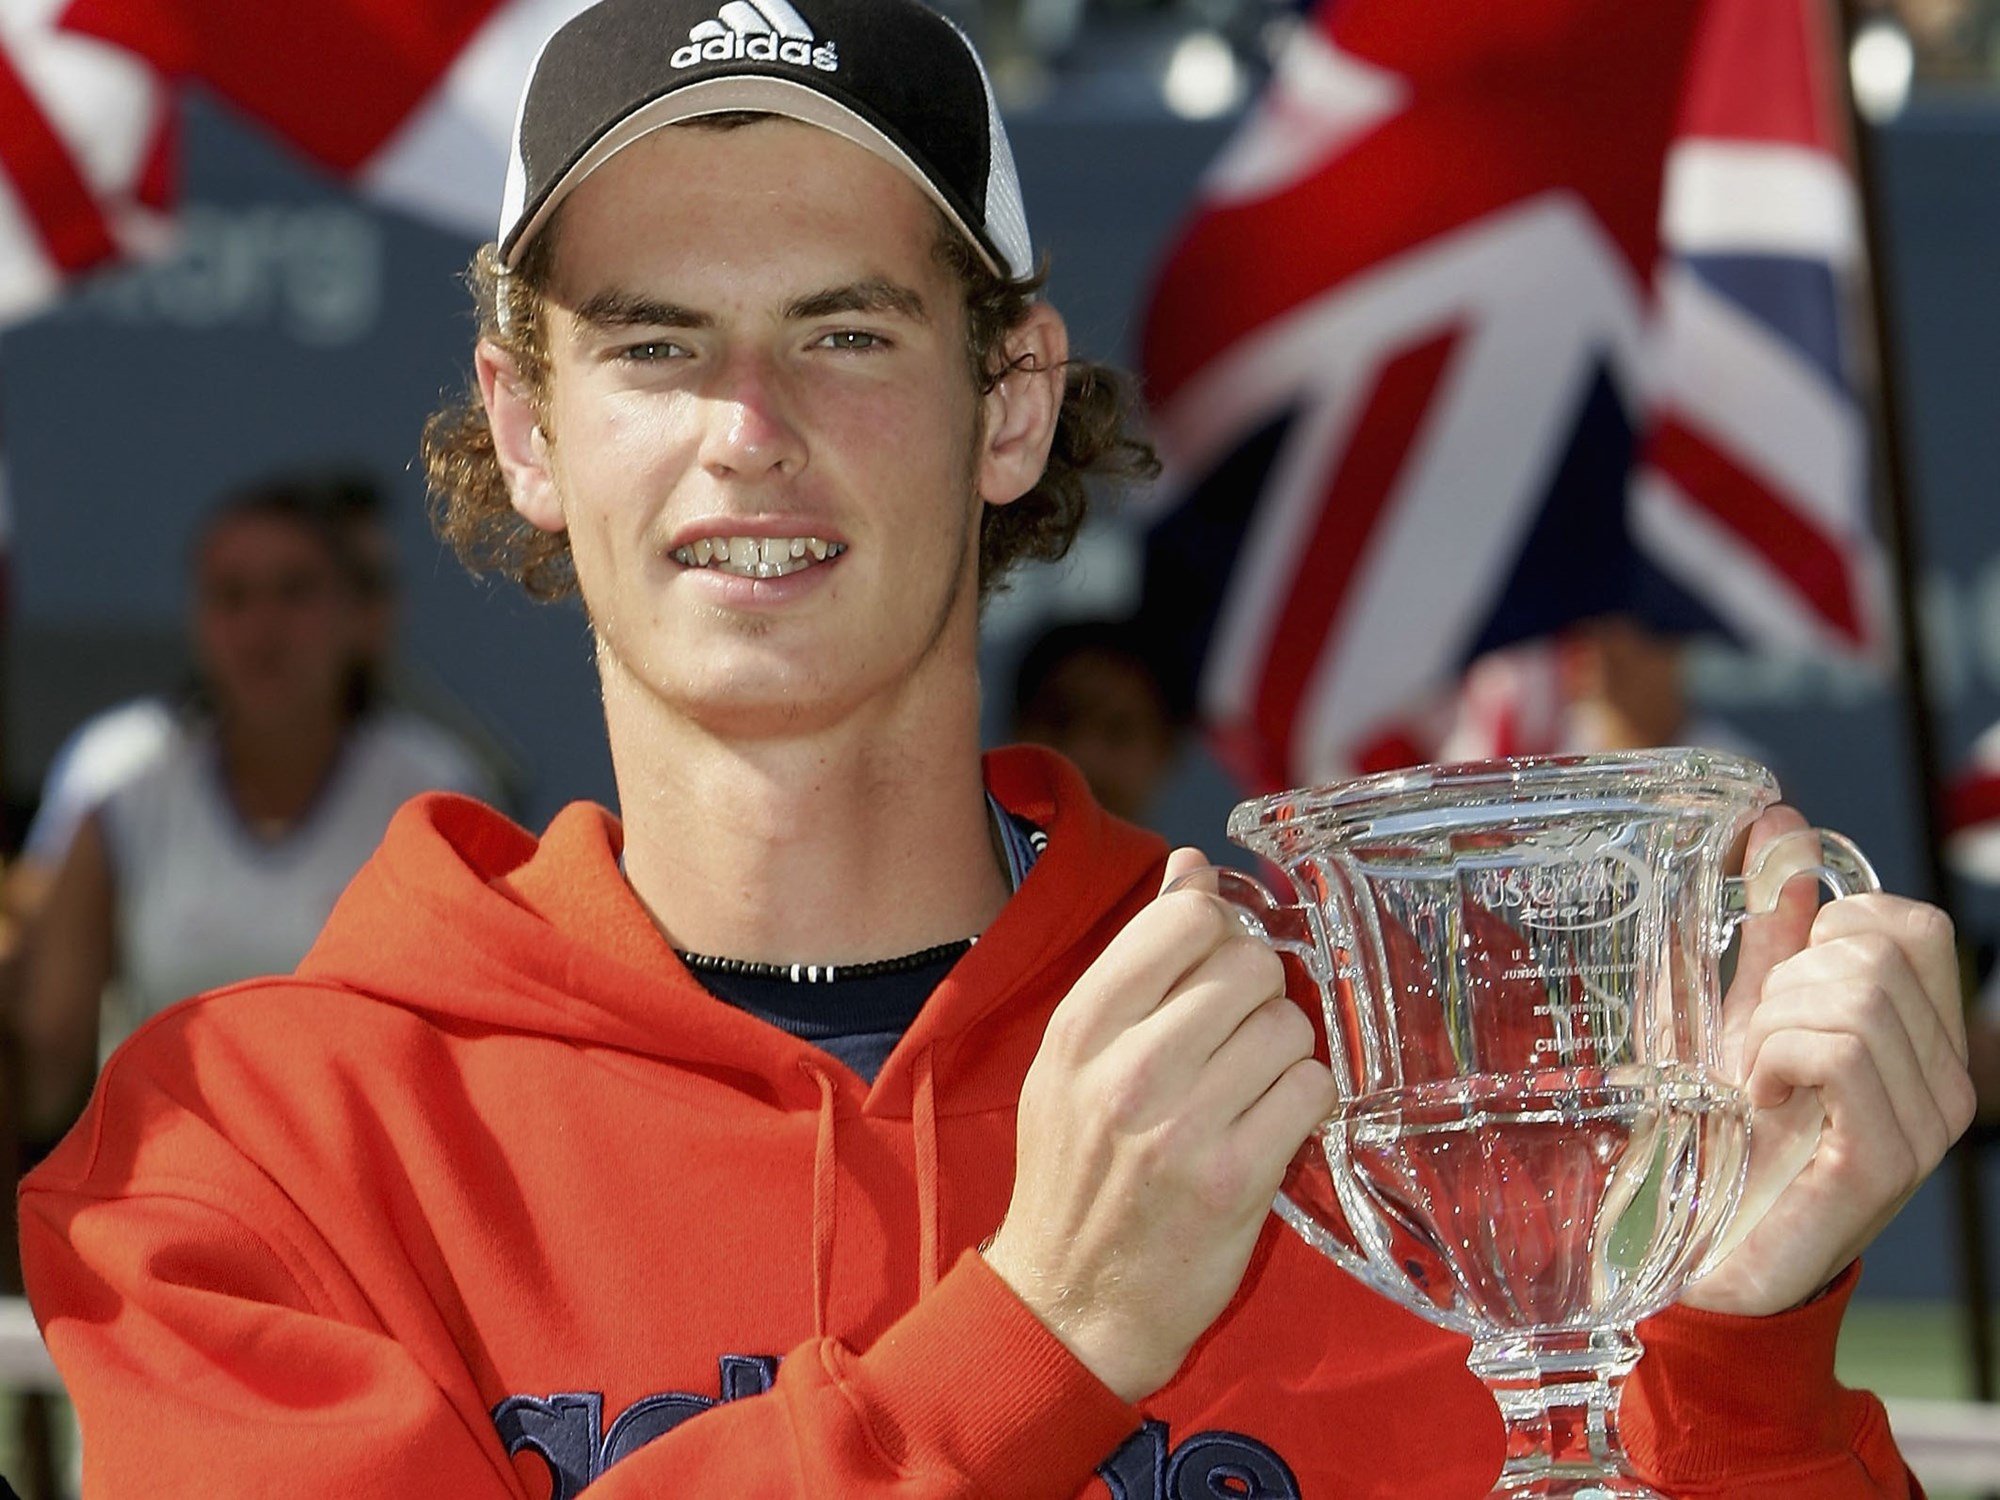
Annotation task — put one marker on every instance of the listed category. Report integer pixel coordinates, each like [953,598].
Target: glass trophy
[1535,1145]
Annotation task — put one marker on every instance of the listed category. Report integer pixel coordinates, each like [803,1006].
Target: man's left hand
[1858,1003]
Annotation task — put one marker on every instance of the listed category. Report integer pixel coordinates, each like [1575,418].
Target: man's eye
[657,349]
[852,338]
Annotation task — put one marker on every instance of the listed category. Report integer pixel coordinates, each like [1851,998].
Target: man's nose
[750,430]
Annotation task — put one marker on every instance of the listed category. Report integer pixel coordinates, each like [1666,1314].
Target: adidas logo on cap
[758,31]
[911,90]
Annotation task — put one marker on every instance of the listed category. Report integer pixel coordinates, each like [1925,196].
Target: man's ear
[518,440]
[1021,411]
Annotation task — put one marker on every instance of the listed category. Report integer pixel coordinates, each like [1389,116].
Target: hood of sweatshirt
[467,919]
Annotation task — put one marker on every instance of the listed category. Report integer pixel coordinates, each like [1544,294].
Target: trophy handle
[1783,1139]
[1296,929]
[1307,1201]
[1831,858]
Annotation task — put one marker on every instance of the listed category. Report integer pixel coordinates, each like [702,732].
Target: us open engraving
[1566,890]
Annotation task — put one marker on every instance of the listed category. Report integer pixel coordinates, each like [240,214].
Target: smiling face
[761,431]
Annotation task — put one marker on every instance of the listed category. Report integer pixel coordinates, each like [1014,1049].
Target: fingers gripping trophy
[1535,1144]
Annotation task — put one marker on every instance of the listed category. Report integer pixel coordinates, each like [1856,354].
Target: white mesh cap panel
[514,195]
[1006,214]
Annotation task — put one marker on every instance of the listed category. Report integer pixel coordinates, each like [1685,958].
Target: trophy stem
[1558,1395]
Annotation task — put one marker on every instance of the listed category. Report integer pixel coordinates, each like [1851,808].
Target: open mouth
[758,557]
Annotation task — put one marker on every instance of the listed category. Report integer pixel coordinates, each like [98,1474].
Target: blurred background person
[233,821]
[1086,688]
[115,744]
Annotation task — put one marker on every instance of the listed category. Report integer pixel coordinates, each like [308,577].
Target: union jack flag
[1489,325]
[86,155]
[410,101]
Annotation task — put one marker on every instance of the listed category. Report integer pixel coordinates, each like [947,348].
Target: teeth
[757,557]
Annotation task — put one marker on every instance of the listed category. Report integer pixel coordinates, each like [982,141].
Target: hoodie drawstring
[924,1147]
[826,1203]
[826,1185]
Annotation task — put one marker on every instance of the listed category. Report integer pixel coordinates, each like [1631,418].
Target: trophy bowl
[1535,1145]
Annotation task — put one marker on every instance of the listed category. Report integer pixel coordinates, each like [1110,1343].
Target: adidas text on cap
[892,76]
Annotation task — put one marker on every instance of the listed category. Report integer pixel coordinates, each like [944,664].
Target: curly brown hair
[470,508]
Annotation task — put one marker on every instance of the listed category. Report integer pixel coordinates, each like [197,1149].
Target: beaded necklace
[826,973]
[1019,843]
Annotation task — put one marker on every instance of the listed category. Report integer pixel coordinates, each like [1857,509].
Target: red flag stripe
[159,185]
[1766,72]
[1578,117]
[1793,546]
[336,80]
[1248,759]
[1374,460]
[1390,752]
[1972,802]
[47,180]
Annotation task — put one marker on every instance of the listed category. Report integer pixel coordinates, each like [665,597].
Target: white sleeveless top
[203,901]
[106,749]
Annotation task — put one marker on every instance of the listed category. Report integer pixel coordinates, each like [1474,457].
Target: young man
[707,1153]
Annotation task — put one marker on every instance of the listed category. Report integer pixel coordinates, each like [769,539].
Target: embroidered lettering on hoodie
[566,1432]
[1149,1467]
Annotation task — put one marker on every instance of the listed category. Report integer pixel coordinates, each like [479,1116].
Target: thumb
[1188,861]
[1767,941]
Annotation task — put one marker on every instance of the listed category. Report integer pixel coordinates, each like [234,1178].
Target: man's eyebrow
[616,309]
[873,295]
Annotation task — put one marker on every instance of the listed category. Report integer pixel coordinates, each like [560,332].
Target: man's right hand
[1173,1087]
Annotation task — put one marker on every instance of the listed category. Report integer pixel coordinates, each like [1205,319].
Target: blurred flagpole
[31,1426]
[1902,537]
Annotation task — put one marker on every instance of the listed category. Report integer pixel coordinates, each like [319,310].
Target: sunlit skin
[752,336]
[693,380]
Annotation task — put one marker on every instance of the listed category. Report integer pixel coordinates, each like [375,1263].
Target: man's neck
[861,841]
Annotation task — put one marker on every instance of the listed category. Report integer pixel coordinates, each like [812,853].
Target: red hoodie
[493,1200]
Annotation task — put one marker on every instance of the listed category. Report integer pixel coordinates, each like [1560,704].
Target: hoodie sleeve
[967,1393]
[207,1357]
[1727,1408]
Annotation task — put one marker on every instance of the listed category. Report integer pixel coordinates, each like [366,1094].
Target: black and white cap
[892,76]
